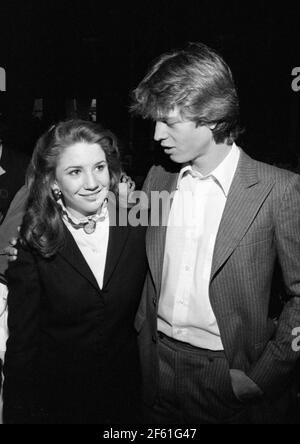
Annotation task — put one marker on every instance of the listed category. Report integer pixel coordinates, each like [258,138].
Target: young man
[209,349]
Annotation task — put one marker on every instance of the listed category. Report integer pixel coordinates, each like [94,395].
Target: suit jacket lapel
[116,242]
[72,254]
[156,235]
[118,236]
[245,197]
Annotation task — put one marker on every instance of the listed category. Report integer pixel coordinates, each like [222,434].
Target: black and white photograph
[149,215]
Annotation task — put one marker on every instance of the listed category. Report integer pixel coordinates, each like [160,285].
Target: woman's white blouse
[93,246]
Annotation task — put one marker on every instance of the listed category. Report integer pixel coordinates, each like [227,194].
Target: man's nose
[160,131]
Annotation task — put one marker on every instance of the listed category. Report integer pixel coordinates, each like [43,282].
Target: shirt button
[154,300]
[187,268]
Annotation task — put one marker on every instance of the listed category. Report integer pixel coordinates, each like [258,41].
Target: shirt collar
[222,174]
[101,215]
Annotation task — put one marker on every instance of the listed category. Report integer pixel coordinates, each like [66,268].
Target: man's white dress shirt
[184,311]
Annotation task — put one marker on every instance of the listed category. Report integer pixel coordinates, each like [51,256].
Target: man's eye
[100,167]
[74,172]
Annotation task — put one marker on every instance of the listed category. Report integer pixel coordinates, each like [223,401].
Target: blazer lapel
[156,235]
[118,236]
[72,254]
[245,197]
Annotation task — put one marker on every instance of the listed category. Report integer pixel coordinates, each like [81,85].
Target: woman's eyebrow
[72,166]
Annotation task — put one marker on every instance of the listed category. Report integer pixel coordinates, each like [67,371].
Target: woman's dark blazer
[72,352]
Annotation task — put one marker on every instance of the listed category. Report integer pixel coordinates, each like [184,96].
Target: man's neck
[212,159]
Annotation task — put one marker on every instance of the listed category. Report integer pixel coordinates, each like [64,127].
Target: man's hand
[243,387]
[126,187]
[130,184]
[10,250]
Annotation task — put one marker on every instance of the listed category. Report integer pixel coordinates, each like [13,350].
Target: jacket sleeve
[274,368]
[9,227]
[20,370]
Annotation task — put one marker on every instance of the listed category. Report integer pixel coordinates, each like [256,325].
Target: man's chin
[175,158]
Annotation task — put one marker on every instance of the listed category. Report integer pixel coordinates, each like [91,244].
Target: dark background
[101,49]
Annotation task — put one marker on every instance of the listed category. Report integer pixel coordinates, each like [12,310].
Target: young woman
[74,289]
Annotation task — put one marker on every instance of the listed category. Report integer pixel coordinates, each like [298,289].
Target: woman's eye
[74,172]
[100,167]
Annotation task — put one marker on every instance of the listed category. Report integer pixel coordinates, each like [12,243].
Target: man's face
[181,139]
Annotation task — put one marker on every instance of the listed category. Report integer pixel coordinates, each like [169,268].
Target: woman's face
[83,178]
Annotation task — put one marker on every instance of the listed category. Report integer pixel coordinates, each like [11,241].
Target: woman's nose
[91,182]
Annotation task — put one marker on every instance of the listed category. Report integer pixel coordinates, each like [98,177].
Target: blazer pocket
[256,236]
[139,321]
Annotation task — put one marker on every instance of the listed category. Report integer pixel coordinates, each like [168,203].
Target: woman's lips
[91,196]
